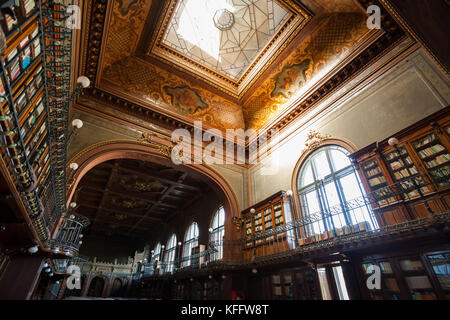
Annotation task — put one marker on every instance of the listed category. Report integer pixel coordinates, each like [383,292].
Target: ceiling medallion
[223,19]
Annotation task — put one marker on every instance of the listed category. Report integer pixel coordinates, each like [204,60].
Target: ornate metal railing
[60,265]
[364,219]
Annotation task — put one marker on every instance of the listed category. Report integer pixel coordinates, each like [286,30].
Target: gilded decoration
[127,24]
[136,184]
[162,88]
[314,140]
[129,204]
[319,50]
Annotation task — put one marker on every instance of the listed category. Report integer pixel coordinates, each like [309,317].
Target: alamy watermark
[192,150]
[374,20]
[74,280]
[374,280]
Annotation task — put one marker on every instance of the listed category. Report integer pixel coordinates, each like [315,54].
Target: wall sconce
[210,230]
[48,270]
[289,193]
[50,274]
[254,271]
[252,211]
[81,236]
[73,205]
[33,249]
[73,166]
[179,244]
[224,277]
[393,141]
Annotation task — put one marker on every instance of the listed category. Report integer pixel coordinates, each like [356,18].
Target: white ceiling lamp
[73,166]
[73,205]
[33,249]
[393,141]
[84,81]
[77,123]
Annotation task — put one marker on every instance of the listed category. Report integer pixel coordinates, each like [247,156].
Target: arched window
[169,256]
[190,242]
[155,256]
[326,184]
[217,231]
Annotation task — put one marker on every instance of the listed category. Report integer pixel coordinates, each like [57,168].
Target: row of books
[27,92]
[427,152]
[373,172]
[439,160]
[431,138]
[399,175]
[356,228]
[28,126]
[22,11]
[396,164]
[376,181]
[20,58]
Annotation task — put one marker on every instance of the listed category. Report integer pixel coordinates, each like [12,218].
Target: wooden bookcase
[410,180]
[22,99]
[409,277]
[270,213]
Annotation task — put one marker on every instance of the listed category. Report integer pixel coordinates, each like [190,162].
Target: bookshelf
[24,112]
[403,278]
[440,263]
[270,213]
[295,284]
[411,179]
[435,158]
[405,173]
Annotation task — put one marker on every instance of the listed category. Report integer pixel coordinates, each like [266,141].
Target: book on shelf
[28,7]
[21,102]
[26,57]
[428,152]
[10,23]
[11,55]
[14,69]
[439,160]
[36,48]
[424,141]
[2,88]
[376,181]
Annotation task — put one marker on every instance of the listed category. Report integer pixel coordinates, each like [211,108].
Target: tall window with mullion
[155,257]
[331,194]
[169,256]
[217,232]
[190,242]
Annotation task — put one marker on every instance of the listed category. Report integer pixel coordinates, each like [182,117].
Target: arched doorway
[116,289]
[124,149]
[96,287]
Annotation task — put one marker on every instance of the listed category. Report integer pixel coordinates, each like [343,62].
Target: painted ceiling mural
[321,49]
[157,86]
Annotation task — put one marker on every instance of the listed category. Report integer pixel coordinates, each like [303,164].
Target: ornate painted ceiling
[130,199]
[232,64]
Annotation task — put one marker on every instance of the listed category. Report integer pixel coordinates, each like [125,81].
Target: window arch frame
[307,156]
[217,232]
[189,243]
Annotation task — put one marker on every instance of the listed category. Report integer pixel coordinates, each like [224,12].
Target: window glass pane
[340,283]
[334,205]
[313,211]
[340,160]
[307,177]
[323,280]
[359,214]
[321,165]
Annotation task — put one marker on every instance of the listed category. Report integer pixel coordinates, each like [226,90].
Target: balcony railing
[392,212]
[60,265]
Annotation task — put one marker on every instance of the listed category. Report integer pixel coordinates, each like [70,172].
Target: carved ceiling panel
[130,198]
